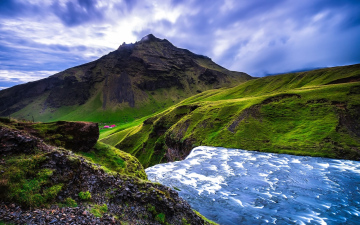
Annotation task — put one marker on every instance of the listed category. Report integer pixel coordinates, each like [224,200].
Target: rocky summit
[44,182]
[133,81]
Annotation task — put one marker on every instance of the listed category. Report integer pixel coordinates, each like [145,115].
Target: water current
[232,186]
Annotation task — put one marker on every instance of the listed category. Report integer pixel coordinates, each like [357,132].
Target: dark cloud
[13,8]
[10,8]
[77,12]
[282,22]
[259,37]
[130,4]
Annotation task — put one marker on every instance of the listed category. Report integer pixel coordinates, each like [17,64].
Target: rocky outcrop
[75,136]
[13,141]
[57,176]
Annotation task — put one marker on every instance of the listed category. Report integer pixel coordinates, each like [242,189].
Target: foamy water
[232,186]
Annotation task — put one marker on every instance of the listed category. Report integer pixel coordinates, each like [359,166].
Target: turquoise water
[232,186]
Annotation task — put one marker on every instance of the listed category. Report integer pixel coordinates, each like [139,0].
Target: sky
[39,38]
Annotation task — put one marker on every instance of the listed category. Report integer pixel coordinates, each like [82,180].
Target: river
[232,186]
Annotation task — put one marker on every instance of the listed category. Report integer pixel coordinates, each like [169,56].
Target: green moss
[184,222]
[85,195]
[99,210]
[69,202]
[205,219]
[114,160]
[4,223]
[26,183]
[151,209]
[110,193]
[160,218]
[50,133]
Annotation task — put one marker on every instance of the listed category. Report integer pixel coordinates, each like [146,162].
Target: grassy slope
[92,111]
[299,113]
[113,160]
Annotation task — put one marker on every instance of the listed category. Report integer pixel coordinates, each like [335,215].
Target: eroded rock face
[15,141]
[75,136]
[118,89]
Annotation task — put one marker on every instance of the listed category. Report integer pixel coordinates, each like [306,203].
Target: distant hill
[314,113]
[133,81]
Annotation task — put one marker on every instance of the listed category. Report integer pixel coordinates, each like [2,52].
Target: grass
[205,219]
[295,113]
[26,183]
[147,141]
[85,195]
[104,133]
[69,202]
[99,210]
[113,160]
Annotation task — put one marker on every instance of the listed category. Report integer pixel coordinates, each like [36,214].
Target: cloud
[21,76]
[276,36]
[9,78]
[259,37]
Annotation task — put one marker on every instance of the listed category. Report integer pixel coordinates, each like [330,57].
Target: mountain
[133,81]
[314,113]
[58,173]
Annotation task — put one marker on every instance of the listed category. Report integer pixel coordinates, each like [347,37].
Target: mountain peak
[131,76]
[149,37]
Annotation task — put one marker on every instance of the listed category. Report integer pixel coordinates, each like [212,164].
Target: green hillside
[314,113]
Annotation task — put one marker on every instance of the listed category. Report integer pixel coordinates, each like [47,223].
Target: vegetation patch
[99,210]
[148,143]
[69,202]
[205,219]
[160,218]
[115,160]
[25,182]
[85,195]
